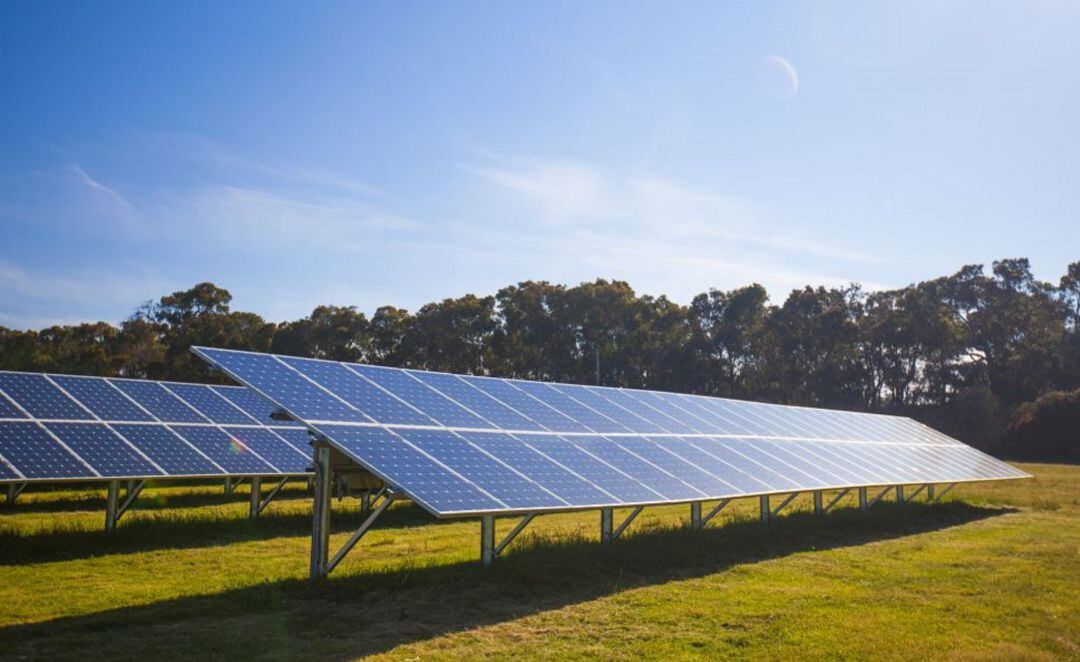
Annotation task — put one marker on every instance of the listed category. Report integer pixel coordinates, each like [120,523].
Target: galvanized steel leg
[256,496]
[899,494]
[863,502]
[819,505]
[487,539]
[112,505]
[695,515]
[930,492]
[607,517]
[365,503]
[320,527]
[13,492]
[763,502]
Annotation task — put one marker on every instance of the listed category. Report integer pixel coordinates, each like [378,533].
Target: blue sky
[397,153]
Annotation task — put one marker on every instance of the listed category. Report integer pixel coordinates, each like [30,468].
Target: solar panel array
[65,427]
[461,445]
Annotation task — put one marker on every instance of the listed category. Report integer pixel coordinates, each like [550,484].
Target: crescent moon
[789,72]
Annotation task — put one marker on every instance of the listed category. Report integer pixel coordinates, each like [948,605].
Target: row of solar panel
[471,471]
[324,391]
[63,451]
[76,398]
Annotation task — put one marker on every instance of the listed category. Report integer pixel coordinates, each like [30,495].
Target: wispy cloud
[104,200]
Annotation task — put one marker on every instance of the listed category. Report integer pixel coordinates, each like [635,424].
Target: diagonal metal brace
[879,496]
[626,522]
[355,537]
[911,497]
[265,501]
[514,532]
[944,491]
[836,500]
[129,498]
[776,511]
[712,513]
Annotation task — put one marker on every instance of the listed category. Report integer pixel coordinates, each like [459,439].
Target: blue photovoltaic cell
[721,424]
[655,453]
[100,397]
[41,399]
[849,469]
[359,392]
[741,480]
[791,454]
[210,404]
[731,410]
[37,455]
[607,478]
[571,408]
[421,396]
[159,402]
[220,447]
[272,449]
[298,438]
[671,417]
[639,469]
[8,410]
[756,450]
[627,417]
[625,399]
[475,400]
[675,407]
[503,483]
[525,404]
[404,466]
[103,450]
[253,404]
[573,489]
[731,451]
[166,449]
[291,390]
[6,472]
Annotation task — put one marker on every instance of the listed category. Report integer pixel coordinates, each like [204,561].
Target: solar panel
[67,427]
[464,445]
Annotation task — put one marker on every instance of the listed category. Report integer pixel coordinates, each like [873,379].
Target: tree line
[971,353]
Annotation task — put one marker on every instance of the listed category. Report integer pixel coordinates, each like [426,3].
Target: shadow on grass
[171,529]
[350,616]
[94,499]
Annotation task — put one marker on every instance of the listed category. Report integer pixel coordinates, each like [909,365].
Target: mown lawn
[993,572]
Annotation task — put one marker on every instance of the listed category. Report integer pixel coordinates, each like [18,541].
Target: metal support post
[763,503]
[487,539]
[256,497]
[320,526]
[607,515]
[900,494]
[819,505]
[365,503]
[112,505]
[695,515]
[13,492]
[930,492]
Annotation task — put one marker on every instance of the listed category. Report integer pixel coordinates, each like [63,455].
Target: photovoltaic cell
[254,405]
[155,399]
[373,401]
[167,449]
[401,464]
[526,405]
[420,395]
[224,449]
[100,397]
[41,399]
[272,449]
[475,400]
[37,455]
[572,409]
[8,409]
[208,403]
[107,453]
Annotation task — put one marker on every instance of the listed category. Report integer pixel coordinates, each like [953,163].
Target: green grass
[994,572]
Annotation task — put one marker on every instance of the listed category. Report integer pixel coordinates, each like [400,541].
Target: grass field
[993,572]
